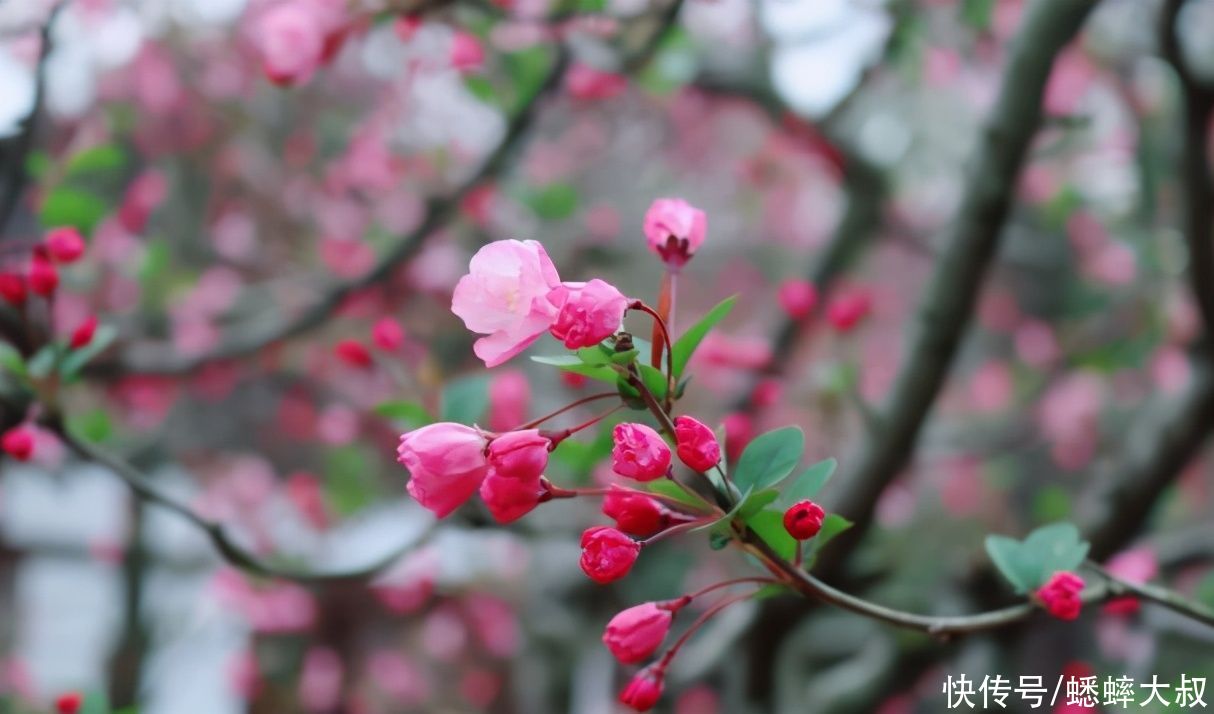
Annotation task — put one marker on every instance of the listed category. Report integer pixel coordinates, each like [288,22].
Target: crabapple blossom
[83,334]
[69,703]
[633,635]
[446,464]
[634,513]
[644,689]
[587,83]
[1060,595]
[589,312]
[43,277]
[803,520]
[520,455]
[639,452]
[18,443]
[505,297]
[607,554]
[64,245]
[798,298]
[847,309]
[354,353]
[12,289]
[675,230]
[508,498]
[509,399]
[697,445]
[387,334]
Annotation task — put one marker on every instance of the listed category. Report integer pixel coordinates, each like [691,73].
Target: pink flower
[635,634]
[634,513]
[43,278]
[675,230]
[739,430]
[388,335]
[797,297]
[645,689]
[354,353]
[1060,595]
[64,244]
[291,38]
[505,296]
[446,464]
[83,334]
[509,499]
[589,312]
[18,443]
[520,455]
[697,445]
[12,289]
[509,399]
[639,452]
[846,310]
[466,52]
[607,554]
[803,520]
[587,83]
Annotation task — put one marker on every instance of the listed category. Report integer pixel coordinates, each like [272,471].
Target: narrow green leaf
[721,525]
[686,345]
[11,360]
[570,363]
[769,458]
[593,356]
[105,157]
[654,380]
[809,483]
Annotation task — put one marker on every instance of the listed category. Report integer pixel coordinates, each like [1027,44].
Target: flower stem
[584,400]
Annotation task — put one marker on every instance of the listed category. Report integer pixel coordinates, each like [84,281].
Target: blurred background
[257,208]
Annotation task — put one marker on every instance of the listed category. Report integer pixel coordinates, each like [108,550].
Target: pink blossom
[64,245]
[634,513]
[645,689]
[1060,595]
[607,554]
[446,463]
[697,445]
[589,312]
[739,430]
[675,230]
[798,298]
[587,83]
[292,41]
[509,499]
[466,52]
[520,455]
[633,635]
[505,297]
[387,334]
[803,520]
[509,399]
[847,309]
[320,680]
[639,452]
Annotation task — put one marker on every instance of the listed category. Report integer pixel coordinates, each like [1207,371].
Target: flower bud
[521,455]
[69,703]
[43,278]
[1060,595]
[639,452]
[797,297]
[12,289]
[18,443]
[446,463]
[803,520]
[697,445]
[634,513]
[675,230]
[645,689]
[509,499]
[388,335]
[589,312]
[354,353]
[64,245]
[633,635]
[607,554]
[848,309]
[83,334]
[509,399]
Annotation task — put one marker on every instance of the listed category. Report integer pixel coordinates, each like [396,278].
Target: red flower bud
[797,297]
[697,445]
[43,278]
[645,689]
[635,634]
[639,452]
[521,455]
[353,353]
[634,513]
[18,443]
[509,499]
[388,335]
[69,703]
[607,554]
[847,310]
[1060,595]
[83,334]
[12,289]
[803,520]
[64,245]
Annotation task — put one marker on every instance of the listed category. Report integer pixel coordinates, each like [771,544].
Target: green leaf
[105,157]
[94,426]
[769,458]
[410,413]
[67,206]
[349,478]
[624,358]
[769,525]
[832,526]
[76,359]
[809,483]
[757,502]
[686,345]
[466,399]
[570,363]
[479,86]
[654,380]
[554,201]
[770,591]
[43,361]
[978,13]
[1007,556]
[722,524]
[593,356]
[1028,564]
[670,489]
[11,360]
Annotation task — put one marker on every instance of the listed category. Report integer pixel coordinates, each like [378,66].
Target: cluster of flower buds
[60,246]
[1060,596]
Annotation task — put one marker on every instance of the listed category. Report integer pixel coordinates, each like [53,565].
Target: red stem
[584,400]
[698,623]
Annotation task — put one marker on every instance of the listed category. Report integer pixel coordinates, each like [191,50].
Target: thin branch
[231,551]
[952,290]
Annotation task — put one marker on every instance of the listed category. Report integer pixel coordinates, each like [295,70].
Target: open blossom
[697,445]
[446,464]
[509,499]
[297,36]
[635,634]
[64,244]
[520,455]
[589,312]
[634,513]
[607,554]
[675,230]
[644,690]
[639,452]
[505,297]
[1060,595]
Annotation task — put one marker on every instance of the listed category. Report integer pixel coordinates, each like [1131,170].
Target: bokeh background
[240,231]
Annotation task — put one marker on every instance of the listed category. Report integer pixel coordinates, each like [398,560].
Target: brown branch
[953,288]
